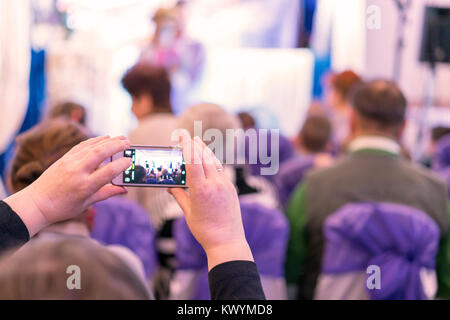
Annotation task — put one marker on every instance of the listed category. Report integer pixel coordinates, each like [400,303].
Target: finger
[205,148]
[87,143]
[100,143]
[192,157]
[102,151]
[106,192]
[210,163]
[182,198]
[108,172]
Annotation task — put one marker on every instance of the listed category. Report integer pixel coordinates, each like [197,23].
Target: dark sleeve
[13,232]
[235,280]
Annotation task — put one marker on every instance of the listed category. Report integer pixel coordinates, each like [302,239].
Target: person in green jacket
[373,170]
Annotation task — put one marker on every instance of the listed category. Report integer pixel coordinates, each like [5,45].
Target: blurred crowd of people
[346,197]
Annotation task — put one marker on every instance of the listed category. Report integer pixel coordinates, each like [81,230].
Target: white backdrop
[14,66]
[277,79]
[248,24]
[380,53]
[371,52]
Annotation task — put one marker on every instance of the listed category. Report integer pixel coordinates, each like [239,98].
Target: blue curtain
[309,7]
[37,92]
[322,65]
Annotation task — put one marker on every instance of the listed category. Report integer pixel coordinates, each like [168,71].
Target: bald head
[211,116]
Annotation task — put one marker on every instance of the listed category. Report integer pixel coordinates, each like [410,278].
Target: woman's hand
[71,184]
[211,207]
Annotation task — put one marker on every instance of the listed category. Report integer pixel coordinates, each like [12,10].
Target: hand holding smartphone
[153,166]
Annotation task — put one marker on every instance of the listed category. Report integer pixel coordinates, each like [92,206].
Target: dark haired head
[381,106]
[69,110]
[344,82]
[439,132]
[246,119]
[145,79]
[315,133]
[139,173]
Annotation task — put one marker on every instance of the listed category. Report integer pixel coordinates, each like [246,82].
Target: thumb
[106,192]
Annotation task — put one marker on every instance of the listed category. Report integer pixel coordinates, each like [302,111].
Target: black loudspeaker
[435,46]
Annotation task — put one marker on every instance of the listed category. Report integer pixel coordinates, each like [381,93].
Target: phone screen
[155,166]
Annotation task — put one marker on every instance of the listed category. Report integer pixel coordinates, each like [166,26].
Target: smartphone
[152,167]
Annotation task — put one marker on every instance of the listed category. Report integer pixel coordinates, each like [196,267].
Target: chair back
[266,231]
[285,152]
[123,222]
[290,175]
[368,243]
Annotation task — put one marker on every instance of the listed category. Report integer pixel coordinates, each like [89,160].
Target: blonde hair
[212,116]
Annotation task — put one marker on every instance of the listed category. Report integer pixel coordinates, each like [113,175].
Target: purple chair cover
[290,175]
[399,239]
[441,158]
[266,231]
[286,151]
[124,222]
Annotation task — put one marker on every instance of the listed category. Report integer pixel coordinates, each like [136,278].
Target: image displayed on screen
[155,166]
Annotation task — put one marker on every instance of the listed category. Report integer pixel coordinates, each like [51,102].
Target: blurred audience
[373,171]
[350,194]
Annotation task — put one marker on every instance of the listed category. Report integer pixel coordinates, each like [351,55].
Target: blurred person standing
[171,49]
